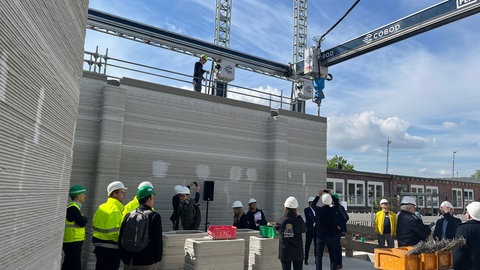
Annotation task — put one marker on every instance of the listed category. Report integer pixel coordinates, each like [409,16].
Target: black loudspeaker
[208,188]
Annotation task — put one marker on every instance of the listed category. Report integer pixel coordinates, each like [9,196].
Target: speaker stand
[206,217]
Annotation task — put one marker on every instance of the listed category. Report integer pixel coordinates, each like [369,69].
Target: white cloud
[448,124]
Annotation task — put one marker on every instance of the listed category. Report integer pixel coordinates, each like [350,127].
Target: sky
[421,92]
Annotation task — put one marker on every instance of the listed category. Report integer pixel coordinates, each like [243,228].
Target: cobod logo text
[382,33]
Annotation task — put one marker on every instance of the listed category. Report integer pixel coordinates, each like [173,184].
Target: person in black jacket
[310,234]
[198,73]
[176,199]
[446,226]
[239,217]
[341,218]
[326,232]
[149,257]
[467,257]
[255,216]
[291,227]
[410,228]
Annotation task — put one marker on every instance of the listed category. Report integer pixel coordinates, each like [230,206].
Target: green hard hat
[204,56]
[335,195]
[144,192]
[76,190]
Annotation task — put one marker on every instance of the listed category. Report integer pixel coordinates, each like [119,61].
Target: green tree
[339,163]
[476,174]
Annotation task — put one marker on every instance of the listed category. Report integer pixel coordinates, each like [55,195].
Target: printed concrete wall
[41,51]
[134,131]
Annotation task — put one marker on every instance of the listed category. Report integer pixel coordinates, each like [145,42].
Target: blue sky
[422,92]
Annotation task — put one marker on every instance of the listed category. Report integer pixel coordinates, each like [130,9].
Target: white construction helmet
[291,202]
[116,185]
[251,200]
[382,201]
[237,204]
[473,210]
[178,189]
[311,199]
[327,199]
[185,190]
[447,204]
[408,200]
[145,184]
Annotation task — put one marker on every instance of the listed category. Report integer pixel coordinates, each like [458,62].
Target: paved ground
[348,263]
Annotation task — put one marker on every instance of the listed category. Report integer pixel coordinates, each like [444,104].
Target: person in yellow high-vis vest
[134,203]
[106,227]
[385,225]
[74,229]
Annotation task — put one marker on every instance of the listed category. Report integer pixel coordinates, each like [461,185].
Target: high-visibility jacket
[380,219]
[107,220]
[73,232]
[132,205]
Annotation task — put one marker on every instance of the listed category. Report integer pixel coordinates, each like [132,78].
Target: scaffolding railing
[111,67]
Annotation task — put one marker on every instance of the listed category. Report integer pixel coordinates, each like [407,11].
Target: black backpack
[135,231]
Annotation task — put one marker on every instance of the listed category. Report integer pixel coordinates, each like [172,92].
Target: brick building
[361,190]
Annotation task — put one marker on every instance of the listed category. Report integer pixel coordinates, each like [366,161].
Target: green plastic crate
[267,231]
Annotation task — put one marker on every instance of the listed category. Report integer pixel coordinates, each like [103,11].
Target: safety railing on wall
[115,68]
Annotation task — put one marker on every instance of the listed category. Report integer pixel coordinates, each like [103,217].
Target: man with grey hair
[410,229]
[466,257]
[447,225]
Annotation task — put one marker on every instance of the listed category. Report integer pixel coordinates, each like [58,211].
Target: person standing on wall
[255,216]
[146,234]
[385,225]
[410,228]
[290,228]
[239,217]
[74,229]
[467,257]
[310,222]
[198,73]
[106,227]
[446,227]
[134,204]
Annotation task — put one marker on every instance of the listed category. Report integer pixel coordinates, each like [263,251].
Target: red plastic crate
[222,232]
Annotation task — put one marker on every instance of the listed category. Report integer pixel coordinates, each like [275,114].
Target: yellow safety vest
[107,220]
[132,205]
[380,219]
[73,232]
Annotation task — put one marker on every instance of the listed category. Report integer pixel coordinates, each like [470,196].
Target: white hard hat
[237,204]
[473,210]
[185,190]
[252,200]
[408,200]
[178,189]
[116,185]
[447,204]
[291,202]
[145,184]
[311,199]
[382,201]
[327,199]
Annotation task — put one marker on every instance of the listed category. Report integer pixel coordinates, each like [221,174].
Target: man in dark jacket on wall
[467,257]
[198,73]
[149,257]
[446,226]
[410,228]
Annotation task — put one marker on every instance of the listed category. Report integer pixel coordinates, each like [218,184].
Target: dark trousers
[197,85]
[339,250]
[72,259]
[287,265]
[310,235]
[107,258]
[331,243]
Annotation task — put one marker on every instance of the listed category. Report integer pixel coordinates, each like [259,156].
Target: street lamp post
[388,151]
[453,164]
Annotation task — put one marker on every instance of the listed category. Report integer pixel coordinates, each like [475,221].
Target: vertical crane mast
[300,8]
[223,15]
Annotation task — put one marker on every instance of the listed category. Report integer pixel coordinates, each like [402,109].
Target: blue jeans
[331,243]
[287,265]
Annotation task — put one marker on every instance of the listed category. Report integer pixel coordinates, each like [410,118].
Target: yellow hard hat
[204,56]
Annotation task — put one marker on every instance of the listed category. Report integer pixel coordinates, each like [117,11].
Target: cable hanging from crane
[331,28]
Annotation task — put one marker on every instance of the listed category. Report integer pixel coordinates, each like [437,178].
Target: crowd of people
[132,233]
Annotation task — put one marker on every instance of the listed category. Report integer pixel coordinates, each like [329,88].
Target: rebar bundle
[431,246]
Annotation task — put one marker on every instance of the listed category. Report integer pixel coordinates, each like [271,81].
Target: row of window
[355,193]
